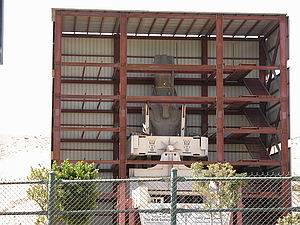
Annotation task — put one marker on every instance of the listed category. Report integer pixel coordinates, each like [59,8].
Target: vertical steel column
[116,92]
[121,196]
[219,88]
[204,88]
[57,88]
[262,78]
[122,100]
[283,95]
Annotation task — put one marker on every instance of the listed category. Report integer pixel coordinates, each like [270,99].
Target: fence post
[173,209]
[51,196]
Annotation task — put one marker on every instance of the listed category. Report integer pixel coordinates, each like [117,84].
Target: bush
[291,218]
[68,196]
[219,193]
[38,192]
[77,196]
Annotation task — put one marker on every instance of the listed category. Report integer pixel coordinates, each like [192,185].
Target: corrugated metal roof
[155,24]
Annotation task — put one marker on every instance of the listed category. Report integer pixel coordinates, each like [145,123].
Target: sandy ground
[17,155]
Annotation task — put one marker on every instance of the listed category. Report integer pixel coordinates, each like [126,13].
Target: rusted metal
[227,26]
[252,130]
[90,64]
[171,99]
[162,37]
[252,28]
[190,27]
[100,27]
[177,27]
[152,24]
[138,26]
[57,88]
[120,81]
[168,68]
[116,77]
[283,96]
[219,89]
[204,88]
[73,128]
[122,93]
[262,62]
[239,27]
[86,140]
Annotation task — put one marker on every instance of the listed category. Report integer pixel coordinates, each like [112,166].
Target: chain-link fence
[169,200]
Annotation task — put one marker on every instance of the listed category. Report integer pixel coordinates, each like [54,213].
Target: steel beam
[90,64]
[283,96]
[251,130]
[116,81]
[56,112]
[79,140]
[251,99]
[122,100]
[219,89]
[74,128]
[204,88]
[168,68]
[137,37]
[86,97]
[171,99]
[175,15]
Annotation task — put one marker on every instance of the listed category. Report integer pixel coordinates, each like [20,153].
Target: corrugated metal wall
[143,51]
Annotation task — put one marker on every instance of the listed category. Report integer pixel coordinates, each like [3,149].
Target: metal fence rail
[170,200]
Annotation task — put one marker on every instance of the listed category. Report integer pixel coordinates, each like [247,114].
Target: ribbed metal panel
[89,89]
[143,51]
[89,135]
[87,118]
[193,123]
[141,89]
[232,152]
[134,123]
[87,46]
[87,155]
[156,25]
[87,105]
[82,146]
[96,50]
[229,91]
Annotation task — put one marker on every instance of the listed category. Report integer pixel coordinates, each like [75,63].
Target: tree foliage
[68,196]
[219,193]
[75,196]
[291,218]
[38,192]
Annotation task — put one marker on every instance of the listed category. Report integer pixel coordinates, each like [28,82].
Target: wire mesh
[169,200]
[16,206]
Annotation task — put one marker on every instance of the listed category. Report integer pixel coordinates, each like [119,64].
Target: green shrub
[289,219]
[226,194]
[38,192]
[77,196]
[220,193]
[68,196]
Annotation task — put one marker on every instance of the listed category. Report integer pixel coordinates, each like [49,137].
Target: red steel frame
[120,86]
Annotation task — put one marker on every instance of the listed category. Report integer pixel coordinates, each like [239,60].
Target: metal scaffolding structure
[123,26]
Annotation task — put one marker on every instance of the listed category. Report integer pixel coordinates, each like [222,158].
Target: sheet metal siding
[143,51]
[87,46]
[232,152]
